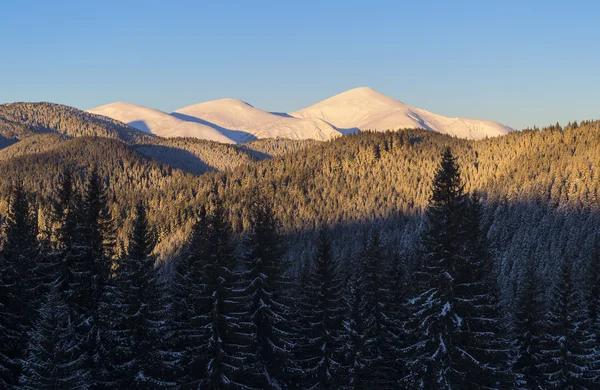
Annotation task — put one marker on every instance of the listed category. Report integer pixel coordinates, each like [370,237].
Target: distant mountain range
[234,121]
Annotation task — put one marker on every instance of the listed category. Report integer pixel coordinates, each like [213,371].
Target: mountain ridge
[231,120]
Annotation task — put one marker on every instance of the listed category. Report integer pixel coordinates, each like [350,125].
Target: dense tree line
[19,120]
[82,308]
[538,184]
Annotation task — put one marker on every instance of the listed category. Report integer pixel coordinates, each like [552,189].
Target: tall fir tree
[140,310]
[567,347]
[528,330]
[91,289]
[55,356]
[457,338]
[380,319]
[227,337]
[487,350]
[593,291]
[18,295]
[265,289]
[352,335]
[67,215]
[593,302]
[321,315]
[188,308]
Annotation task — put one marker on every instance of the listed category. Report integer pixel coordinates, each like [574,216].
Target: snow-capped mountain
[241,122]
[158,123]
[366,109]
[232,121]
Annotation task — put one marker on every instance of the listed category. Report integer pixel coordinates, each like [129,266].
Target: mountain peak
[366,109]
[232,120]
[361,93]
[157,122]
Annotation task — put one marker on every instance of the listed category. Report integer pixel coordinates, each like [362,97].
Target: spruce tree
[142,325]
[567,347]
[593,303]
[55,357]
[457,337]
[226,339]
[18,301]
[91,290]
[321,313]
[267,311]
[380,319]
[487,350]
[352,335]
[188,309]
[67,214]
[593,289]
[528,330]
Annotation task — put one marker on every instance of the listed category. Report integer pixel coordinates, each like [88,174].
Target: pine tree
[458,340]
[321,313]
[593,288]
[380,319]
[593,304]
[67,214]
[528,329]
[55,357]
[567,346]
[265,289]
[91,290]
[352,335]
[486,349]
[225,343]
[17,284]
[142,325]
[435,322]
[189,305]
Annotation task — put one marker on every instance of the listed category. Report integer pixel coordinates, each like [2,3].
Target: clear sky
[517,62]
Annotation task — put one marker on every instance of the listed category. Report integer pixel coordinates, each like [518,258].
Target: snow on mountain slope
[159,123]
[242,122]
[366,109]
[231,120]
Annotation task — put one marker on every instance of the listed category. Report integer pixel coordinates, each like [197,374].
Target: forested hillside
[34,144]
[535,183]
[19,120]
[198,156]
[394,260]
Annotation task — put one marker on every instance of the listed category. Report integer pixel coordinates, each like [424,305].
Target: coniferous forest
[388,260]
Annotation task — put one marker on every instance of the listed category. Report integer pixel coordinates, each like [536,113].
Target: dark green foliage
[67,213]
[140,311]
[18,284]
[381,332]
[55,357]
[436,321]
[567,347]
[593,289]
[529,330]
[352,335]
[91,290]
[484,340]
[265,289]
[320,322]
[187,339]
[458,340]
[217,338]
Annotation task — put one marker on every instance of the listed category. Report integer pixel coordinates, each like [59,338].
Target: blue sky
[517,62]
